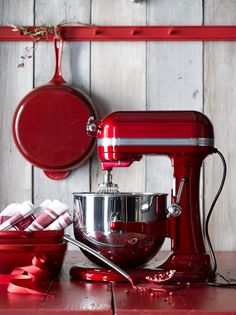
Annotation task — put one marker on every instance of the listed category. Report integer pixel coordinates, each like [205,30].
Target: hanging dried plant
[37,33]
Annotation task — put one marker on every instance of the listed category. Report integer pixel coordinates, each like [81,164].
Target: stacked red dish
[18,248]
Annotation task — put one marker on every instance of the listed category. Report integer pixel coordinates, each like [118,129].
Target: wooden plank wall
[184,75]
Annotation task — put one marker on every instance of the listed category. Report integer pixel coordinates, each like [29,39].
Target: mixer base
[83,272]
[189,268]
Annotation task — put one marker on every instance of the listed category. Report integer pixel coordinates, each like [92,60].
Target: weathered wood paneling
[174,77]
[220,97]
[76,70]
[15,179]
[118,79]
[122,76]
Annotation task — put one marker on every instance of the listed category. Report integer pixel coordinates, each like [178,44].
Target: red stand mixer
[186,137]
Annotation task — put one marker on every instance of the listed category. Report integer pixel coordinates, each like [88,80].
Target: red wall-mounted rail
[133,33]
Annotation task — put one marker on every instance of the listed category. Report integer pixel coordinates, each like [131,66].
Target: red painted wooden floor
[81,297]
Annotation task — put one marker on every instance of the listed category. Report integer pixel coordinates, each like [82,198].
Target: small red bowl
[29,237]
[19,255]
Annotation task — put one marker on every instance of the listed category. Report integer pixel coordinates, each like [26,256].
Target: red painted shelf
[133,33]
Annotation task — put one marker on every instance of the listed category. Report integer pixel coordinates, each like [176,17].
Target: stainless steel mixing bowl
[127,228]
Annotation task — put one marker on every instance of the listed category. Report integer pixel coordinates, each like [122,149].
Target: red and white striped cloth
[41,208]
[23,211]
[50,214]
[62,222]
[22,225]
[8,212]
[27,221]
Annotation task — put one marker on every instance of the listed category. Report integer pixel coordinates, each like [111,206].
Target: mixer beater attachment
[107,187]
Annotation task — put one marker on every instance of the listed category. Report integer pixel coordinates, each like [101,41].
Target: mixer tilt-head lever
[175,209]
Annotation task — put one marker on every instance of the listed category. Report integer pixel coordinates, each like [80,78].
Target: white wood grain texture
[118,79]
[75,70]
[220,98]
[174,81]
[15,179]
[174,77]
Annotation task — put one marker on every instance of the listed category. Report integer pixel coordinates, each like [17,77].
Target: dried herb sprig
[36,33]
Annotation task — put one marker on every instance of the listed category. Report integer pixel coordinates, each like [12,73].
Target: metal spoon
[143,287]
[101,257]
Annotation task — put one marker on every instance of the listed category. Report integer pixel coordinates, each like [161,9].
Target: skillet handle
[57,175]
[58,46]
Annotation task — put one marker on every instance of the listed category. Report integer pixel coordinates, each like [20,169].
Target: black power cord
[212,280]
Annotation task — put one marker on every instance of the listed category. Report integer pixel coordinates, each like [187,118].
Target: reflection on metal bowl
[127,228]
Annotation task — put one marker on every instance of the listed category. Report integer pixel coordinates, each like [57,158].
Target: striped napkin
[54,210]
[50,215]
[8,212]
[24,210]
[61,222]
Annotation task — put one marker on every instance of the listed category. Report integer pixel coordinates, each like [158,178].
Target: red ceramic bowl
[19,255]
[28,237]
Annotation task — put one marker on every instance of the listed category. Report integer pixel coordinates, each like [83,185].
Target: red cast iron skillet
[49,125]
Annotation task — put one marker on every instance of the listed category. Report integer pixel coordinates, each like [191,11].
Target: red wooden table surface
[81,297]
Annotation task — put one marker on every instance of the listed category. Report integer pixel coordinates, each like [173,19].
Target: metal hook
[175,209]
